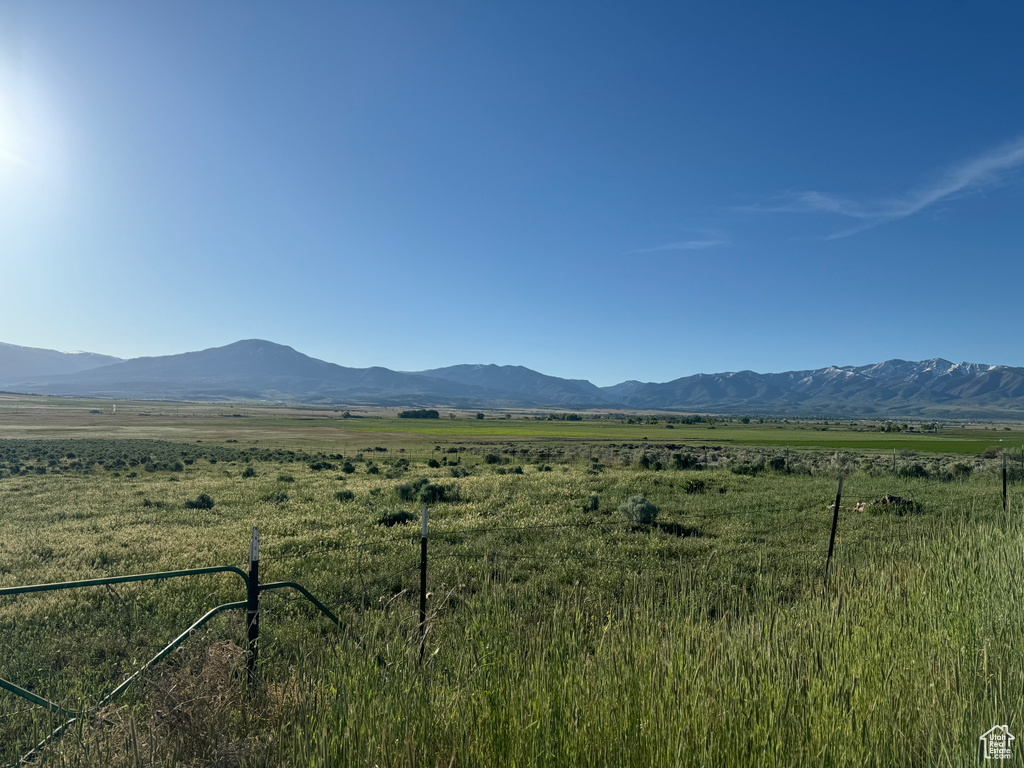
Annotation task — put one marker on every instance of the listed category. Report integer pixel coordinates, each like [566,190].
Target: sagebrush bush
[410,490]
[202,501]
[912,469]
[639,510]
[684,461]
[395,518]
[744,468]
[434,493]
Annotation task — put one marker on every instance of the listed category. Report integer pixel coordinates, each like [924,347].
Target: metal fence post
[423,584]
[1004,482]
[835,523]
[252,607]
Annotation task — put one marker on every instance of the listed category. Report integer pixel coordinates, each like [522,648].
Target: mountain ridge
[17,360]
[256,369]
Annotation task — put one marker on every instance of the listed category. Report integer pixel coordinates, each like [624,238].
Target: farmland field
[316,428]
[559,631]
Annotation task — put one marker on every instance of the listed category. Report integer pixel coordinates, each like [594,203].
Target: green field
[320,428]
[559,632]
[954,441]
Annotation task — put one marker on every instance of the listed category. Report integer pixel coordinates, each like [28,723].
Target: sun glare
[28,128]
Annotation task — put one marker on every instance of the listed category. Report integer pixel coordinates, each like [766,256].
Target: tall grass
[896,663]
[560,633]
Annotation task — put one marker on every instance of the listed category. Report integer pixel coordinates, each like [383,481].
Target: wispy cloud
[683,245]
[977,173]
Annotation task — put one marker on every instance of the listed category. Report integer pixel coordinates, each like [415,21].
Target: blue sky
[594,190]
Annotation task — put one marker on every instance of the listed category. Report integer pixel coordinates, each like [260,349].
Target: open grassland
[318,428]
[559,632]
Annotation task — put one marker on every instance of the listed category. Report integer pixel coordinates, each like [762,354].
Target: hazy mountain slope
[263,370]
[17,363]
[251,369]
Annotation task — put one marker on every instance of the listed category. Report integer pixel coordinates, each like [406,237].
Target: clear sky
[594,190]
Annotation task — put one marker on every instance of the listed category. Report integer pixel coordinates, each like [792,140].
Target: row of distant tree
[889,426]
[423,413]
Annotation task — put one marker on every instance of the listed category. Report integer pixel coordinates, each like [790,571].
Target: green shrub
[202,501]
[396,518]
[959,470]
[913,469]
[410,491]
[639,510]
[747,468]
[248,472]
[344,495]
[694,486]
[435,493]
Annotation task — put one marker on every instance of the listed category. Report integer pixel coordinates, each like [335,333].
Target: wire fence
[359,585]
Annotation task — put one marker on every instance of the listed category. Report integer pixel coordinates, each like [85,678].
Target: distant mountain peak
[256,345]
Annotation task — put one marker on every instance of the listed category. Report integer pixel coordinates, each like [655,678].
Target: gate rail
[251,605]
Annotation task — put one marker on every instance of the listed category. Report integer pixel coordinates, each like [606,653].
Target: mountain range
[262,370]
